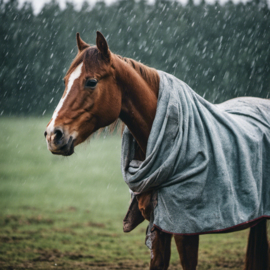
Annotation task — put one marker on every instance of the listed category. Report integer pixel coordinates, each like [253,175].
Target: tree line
[221,51]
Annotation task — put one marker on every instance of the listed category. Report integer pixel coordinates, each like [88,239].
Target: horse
[101,87]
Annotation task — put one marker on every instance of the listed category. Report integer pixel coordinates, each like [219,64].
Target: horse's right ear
[102,45]
[80,43]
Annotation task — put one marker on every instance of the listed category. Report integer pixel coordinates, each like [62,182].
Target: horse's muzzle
[58,143]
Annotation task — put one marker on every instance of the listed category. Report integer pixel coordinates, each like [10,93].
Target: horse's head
[91,99]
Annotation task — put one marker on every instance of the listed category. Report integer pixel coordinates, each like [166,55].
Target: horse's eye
[91,83]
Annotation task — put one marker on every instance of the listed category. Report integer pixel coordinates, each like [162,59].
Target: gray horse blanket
[209,164]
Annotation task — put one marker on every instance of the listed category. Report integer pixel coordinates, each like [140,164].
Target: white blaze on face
[74,75]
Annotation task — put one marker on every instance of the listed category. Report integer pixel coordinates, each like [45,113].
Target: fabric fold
[210,164]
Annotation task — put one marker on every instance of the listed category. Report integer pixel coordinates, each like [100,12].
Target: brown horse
[101,87]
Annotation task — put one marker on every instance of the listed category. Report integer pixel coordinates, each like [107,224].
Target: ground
[66,213]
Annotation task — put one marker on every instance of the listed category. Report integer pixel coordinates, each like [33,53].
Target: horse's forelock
[90,56]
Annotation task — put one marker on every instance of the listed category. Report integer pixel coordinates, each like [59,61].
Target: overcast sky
[38,4]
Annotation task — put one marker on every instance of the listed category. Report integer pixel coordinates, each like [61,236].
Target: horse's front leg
[188,247]
[257,250]
[161,250]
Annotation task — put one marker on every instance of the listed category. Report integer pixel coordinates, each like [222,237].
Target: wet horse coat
[209,164]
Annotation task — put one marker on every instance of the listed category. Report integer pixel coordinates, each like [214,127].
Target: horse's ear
[102,45]
[80,43]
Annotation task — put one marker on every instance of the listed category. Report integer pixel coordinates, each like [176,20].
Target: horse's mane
[149,74]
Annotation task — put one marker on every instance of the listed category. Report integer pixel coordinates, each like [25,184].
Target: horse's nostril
[58,134]
[45,134]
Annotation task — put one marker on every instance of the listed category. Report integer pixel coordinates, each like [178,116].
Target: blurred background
[220,50]
[66,213]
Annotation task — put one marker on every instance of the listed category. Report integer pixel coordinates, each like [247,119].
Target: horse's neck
[139,85]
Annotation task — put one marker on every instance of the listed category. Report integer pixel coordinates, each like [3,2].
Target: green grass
[67,212]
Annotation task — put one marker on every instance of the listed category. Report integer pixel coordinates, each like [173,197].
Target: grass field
[66,212]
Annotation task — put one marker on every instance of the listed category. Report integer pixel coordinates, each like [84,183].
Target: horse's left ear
[102,45]
[80,43]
